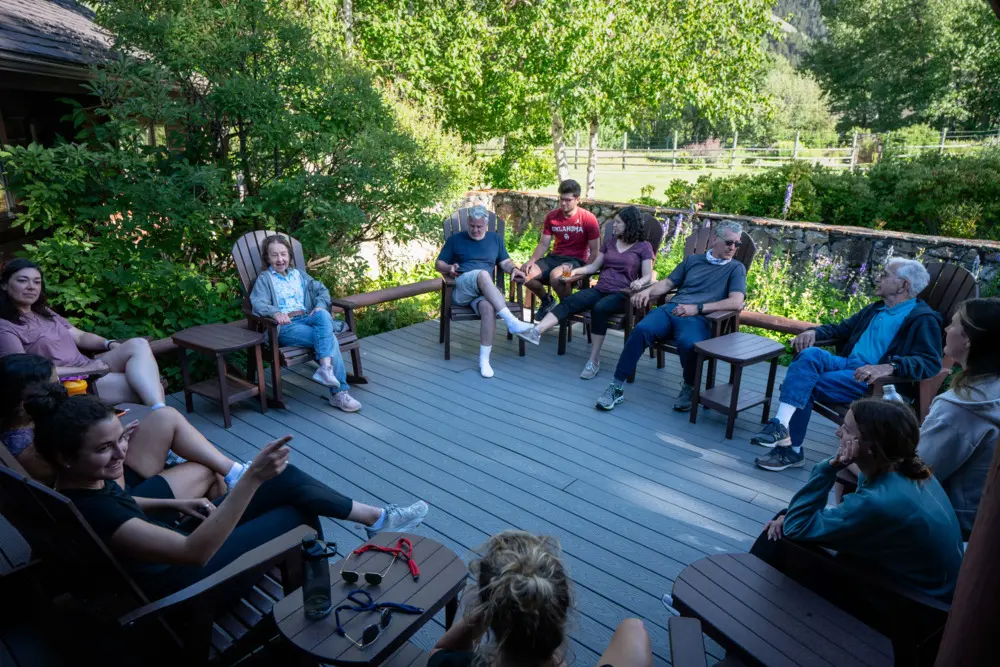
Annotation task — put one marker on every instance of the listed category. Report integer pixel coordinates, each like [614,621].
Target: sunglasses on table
[403,548]
[364,602]
[730,244]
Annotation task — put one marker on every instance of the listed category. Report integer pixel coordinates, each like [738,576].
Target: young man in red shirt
[578,237]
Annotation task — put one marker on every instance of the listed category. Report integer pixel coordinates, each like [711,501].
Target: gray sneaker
[344,401]
[531,335]
[611,397]
[590,370]
[683,402]
[399,519]
[774,434]
[324,375]
[548,303]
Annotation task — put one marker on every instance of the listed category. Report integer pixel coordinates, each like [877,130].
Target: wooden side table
[220,340]
[740,350]
[442,577]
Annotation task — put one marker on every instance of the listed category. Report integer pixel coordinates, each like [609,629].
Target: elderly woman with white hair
[899,335]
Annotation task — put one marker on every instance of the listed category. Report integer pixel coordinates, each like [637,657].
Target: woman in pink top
[28,325]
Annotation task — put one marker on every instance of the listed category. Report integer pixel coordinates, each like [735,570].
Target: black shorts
[154,487]
[549,262]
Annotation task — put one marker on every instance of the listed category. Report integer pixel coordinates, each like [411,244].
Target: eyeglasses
[730,243]
[567,199]
[371,632]
[403,548]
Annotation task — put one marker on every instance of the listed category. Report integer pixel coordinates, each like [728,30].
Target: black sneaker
[611,397]
[781,458]
[548,303]
[774,434]
[683,402]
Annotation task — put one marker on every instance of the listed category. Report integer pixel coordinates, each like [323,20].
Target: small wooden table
[442,577]
[220,340]
[766,618]
[740,350]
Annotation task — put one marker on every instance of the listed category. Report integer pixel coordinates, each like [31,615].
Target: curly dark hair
[62,421]
[17,373]
[635,229]
[8,310]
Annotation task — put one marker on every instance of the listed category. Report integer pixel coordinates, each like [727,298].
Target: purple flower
[788,200]
[864,269]
[976,265]
[767,259]
[854,288]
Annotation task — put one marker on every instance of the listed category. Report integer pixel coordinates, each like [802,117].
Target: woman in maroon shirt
[626,266]
[28,325]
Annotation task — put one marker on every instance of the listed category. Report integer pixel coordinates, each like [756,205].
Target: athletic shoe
[611,397]
[399,519]
[781,458]
[774,434]
[683,402]
[548,303]
[324,375]
[590,370]
[344,401]
[531,335]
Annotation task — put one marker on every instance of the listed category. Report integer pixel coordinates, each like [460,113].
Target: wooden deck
[633,495]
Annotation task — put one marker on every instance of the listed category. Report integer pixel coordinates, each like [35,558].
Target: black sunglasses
[730,244]
[371,633]
[373,578]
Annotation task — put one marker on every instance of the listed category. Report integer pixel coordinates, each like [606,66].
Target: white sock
[785,413]
[514,325]
[484,361]
[235,473]
[379,522]
[157,406]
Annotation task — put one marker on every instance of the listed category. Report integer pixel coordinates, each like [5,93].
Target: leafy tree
[799,106]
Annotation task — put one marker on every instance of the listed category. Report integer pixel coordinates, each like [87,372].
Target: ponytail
[61,421]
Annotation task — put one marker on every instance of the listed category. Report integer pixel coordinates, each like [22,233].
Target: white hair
[911,271]
[479,213]
[722,228]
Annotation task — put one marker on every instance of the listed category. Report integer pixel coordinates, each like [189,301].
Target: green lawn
[617,185]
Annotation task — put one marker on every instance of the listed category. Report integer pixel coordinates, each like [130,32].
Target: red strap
[403,548]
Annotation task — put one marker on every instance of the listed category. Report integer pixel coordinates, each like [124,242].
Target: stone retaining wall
[804,241]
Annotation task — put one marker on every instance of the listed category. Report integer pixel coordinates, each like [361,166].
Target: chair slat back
[698,241]
[246,255]
[746,252]
[950,285]
[459,222]
[652,231]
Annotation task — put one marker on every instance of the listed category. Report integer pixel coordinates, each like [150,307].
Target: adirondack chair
[218,620]
[723,321]
[653,232]
[950,285]
[246,256]
[455,223]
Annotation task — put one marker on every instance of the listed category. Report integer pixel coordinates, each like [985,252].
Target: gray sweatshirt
[957,440]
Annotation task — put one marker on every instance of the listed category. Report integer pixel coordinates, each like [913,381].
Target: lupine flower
[976,266]
[854,288]
[788,200]
[864,269]
[767,259]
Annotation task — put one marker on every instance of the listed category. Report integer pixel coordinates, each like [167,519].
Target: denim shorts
[466,291]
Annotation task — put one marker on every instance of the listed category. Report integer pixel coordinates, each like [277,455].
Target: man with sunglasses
[577,236]
[704,283]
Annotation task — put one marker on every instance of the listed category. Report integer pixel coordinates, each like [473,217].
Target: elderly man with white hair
[899,335]
[470,257]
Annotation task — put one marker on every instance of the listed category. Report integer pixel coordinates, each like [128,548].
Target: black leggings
[601,304]
[285,502]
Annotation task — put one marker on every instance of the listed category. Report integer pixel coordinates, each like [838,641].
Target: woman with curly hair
[625,265]
[521,600]
[900,518]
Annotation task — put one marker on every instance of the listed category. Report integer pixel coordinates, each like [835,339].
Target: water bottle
[316,578]
[889,393]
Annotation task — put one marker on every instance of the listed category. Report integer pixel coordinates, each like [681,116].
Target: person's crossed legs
[134,373]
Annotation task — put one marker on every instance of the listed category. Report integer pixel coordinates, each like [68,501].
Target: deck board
[634,495]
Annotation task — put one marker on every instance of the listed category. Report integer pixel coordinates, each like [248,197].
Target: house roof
[53,37]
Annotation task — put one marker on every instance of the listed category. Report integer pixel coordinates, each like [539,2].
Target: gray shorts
[466,291]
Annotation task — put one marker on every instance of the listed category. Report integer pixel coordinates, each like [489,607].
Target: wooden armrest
[448,281]
[687,645]
[343,304]
[245,570]
[720,315]
[90,375]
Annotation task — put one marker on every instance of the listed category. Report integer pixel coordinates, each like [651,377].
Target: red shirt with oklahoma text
[573,233]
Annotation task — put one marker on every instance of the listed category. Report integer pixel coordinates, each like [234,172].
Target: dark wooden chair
[653,232]
[723,321]
[950,285]
[218,620]
[455,223]
[246,256]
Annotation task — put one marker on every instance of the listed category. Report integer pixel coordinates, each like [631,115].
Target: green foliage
[931,194]
[920,134]
[518,167]
[799,106]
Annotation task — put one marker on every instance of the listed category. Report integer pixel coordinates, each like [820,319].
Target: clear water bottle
[889,393]
[316,578]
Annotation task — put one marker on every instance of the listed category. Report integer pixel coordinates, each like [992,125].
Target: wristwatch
[701,307]
[107,343]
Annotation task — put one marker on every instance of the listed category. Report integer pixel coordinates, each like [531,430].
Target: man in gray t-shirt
[704,283]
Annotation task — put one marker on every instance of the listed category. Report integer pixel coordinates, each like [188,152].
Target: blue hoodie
[907,527]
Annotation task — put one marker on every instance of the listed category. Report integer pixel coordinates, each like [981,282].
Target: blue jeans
[658,325]
[316,331]
[818,374]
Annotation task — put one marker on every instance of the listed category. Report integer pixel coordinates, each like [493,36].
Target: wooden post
[576,152]
[854,152]
[674,153]
[624,148]
[795,150]
[732,158]
[972,635]
[944,135]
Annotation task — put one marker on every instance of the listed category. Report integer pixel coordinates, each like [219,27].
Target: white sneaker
[531,335]
[590,370]
[344,401]
[324,375]
[399,519]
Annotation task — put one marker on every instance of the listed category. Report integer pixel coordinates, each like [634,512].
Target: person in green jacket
[900,518]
